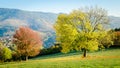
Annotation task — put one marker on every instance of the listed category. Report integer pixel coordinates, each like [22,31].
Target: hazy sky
[64,6]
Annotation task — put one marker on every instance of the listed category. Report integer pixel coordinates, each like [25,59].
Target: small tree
[6,53]
[28,42]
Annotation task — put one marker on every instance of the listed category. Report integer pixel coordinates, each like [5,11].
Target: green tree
[6,53]
[81,29]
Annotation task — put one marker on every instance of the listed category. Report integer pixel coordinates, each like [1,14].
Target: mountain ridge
[12,19]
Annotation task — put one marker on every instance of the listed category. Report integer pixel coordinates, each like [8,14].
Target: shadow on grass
[57,55]
[74,53]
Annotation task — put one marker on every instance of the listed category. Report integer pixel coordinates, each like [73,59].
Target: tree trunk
[84,52]
[26,58]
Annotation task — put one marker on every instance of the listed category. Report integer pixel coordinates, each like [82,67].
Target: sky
[62,6]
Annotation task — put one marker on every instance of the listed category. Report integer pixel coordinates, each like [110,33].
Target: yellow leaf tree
[81,29]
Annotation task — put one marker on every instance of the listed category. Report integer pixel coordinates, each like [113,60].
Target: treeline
[52,50]
[117,29]
[116,40]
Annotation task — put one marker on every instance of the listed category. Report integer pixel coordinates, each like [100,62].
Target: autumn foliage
[117,38]
[83,30]
[27,41]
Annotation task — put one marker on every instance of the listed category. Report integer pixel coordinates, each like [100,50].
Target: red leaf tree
[28,42]
[117,38]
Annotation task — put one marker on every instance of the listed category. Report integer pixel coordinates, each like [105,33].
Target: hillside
[114,22]
[109,58]
[11,19]
[36,20]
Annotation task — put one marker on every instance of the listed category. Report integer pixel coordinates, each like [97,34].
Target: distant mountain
[11,19]
[37,20]
[114,22]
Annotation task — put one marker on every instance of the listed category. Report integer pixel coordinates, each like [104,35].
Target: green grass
[109,58]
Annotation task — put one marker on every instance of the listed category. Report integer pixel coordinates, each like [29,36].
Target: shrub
[52,50]
[16,56]
[6,54]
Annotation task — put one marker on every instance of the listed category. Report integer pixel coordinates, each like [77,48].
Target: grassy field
[109,58]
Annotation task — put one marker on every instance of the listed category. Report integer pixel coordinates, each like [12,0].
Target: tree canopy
[82,29]
[28,42]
